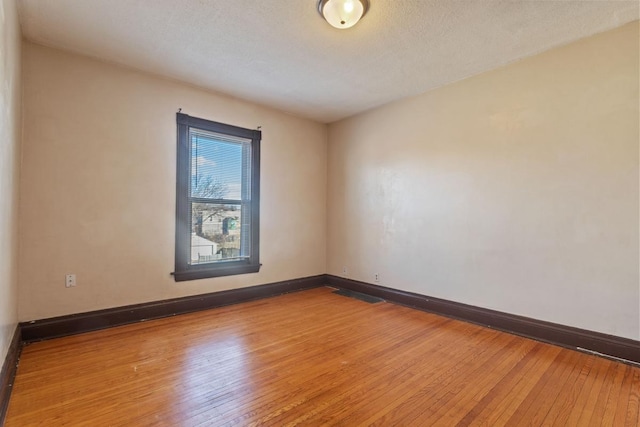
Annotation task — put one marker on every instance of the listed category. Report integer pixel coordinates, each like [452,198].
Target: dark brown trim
[8,372]
[84,322]
[565,336]
[184,270]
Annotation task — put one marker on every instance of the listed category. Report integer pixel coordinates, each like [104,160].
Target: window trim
[183,269]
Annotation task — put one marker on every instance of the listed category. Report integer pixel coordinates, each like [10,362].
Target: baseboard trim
[566,336]
[554,333]
[56,327]
[8,372]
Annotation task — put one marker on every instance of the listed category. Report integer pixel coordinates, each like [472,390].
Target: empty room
[319,212]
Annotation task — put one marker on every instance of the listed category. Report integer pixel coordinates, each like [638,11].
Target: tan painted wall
[98,186]
[515,190]
[10,125]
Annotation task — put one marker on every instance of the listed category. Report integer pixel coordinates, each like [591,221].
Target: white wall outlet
[376,277]
[69,280]
[345,271]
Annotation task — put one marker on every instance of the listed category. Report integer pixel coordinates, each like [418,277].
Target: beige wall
[9,170]
[98,186]
[515,190]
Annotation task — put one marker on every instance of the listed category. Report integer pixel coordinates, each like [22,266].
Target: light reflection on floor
[219,369]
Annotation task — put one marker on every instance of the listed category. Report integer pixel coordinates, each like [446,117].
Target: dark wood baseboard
[566,336]
[85,322]
[8,372]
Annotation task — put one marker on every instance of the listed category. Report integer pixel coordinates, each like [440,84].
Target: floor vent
[357,295]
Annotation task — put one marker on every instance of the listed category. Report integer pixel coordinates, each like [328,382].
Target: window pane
[219,168]
[218,232]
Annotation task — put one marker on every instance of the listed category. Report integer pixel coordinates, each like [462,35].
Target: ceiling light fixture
[343,13]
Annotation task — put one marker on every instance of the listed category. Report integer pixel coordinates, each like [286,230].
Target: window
[217,199]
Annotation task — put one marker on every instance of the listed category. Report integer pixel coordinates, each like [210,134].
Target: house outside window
[217,199]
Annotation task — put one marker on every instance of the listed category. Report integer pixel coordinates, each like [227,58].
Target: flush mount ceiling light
[343,13]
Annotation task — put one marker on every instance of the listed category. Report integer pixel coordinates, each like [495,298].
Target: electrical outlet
[376,277]
[70,281]
[345,271]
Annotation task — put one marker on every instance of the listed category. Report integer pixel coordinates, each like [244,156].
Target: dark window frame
[184,270]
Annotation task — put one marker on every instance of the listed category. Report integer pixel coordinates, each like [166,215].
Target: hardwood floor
[316,358]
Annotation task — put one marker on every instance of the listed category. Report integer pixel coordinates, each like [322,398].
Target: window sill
[205,273]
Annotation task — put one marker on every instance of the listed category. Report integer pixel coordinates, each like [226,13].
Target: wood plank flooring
[316,358]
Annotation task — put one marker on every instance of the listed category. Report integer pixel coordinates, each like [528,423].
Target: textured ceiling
[282,54]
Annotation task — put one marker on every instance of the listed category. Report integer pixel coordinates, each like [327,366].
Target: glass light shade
[342,13]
